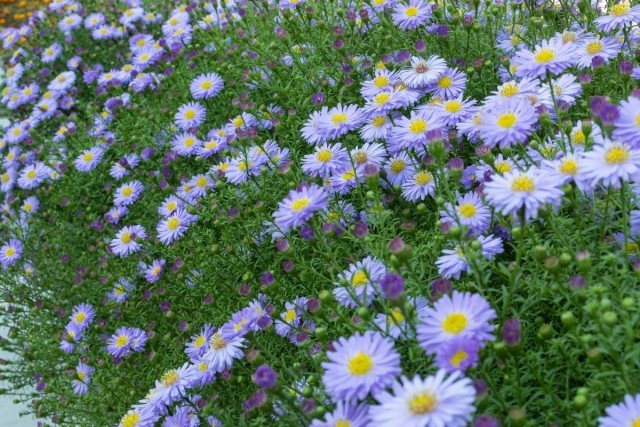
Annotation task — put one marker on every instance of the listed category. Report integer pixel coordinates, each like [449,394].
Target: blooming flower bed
[320,213]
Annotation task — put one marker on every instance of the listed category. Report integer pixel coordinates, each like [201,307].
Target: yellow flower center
[130,420]
[173,21]
[418,126]
[360,364]
[172,206]
[324,155]
[169,378]
[569,36]
[5,177]
[126,237]
[173,223]
[396,317]
[342,423]
[618,10]
[445,82]
[206,85]
[423,178]
[467,210]
[411,11]
[638,120]
[339,119]
[453,106]
[32,174]
[360,157]
[569,167]
[80,317]
[380,120]
[201,182]
[237,122]
[397,166]
[455,323]
[380,81]
[359,279]
[87,157]
[578,137]
[290,315]
[127,191]
[594,47]
[616,155]
[382,98]
[349,175]
[199,342]
[458,358]
[544,56]
[507,120]
[121,341]
[10,252]
[189,114]
[188,142]
[523,184]
[300,204]
[217,342]
[423,403]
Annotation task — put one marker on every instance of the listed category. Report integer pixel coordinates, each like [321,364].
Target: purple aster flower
[126,240]
[411,15]
[625,413]
[627,127]
[190,116]
[458,354]
[363,280]
[299,206]
[507,123]
[359,365]
[461,314]
[347,414]
[81,385]
[10,252]
[437,400]
[326,160]
[551,56]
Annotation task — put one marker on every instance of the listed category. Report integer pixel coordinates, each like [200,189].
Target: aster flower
[173,384]
[32,175]
[455,110]
[206,86]
[461,314]
[125,340]
[395,324]
[610,164]
[10,252]
[621,15]
[299,206]
[362,278]
[126,240]
[89,159]
[340,120]
[383,80]
[530,190]
[606,48]
[368,154]
[423,72]
[469,211]
[627,127]
[411,15]
[82,315]
[437,400]
[415,131]
[454,262]
[174,226]
[451,84]
[115,214]
[625,413]
[421,185]
[120,291]
[345,414]
[190,116]
[153,271]
[375,128]
[51,53]
[222,352]
[313,130]
[325,160]
[359,365]
[399,168]
[291,318]
[81,385]
[507,123]
[458,354]
[128,193]
[186,144]
[550,56]
[140,416]
[170,205]
[199,342]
